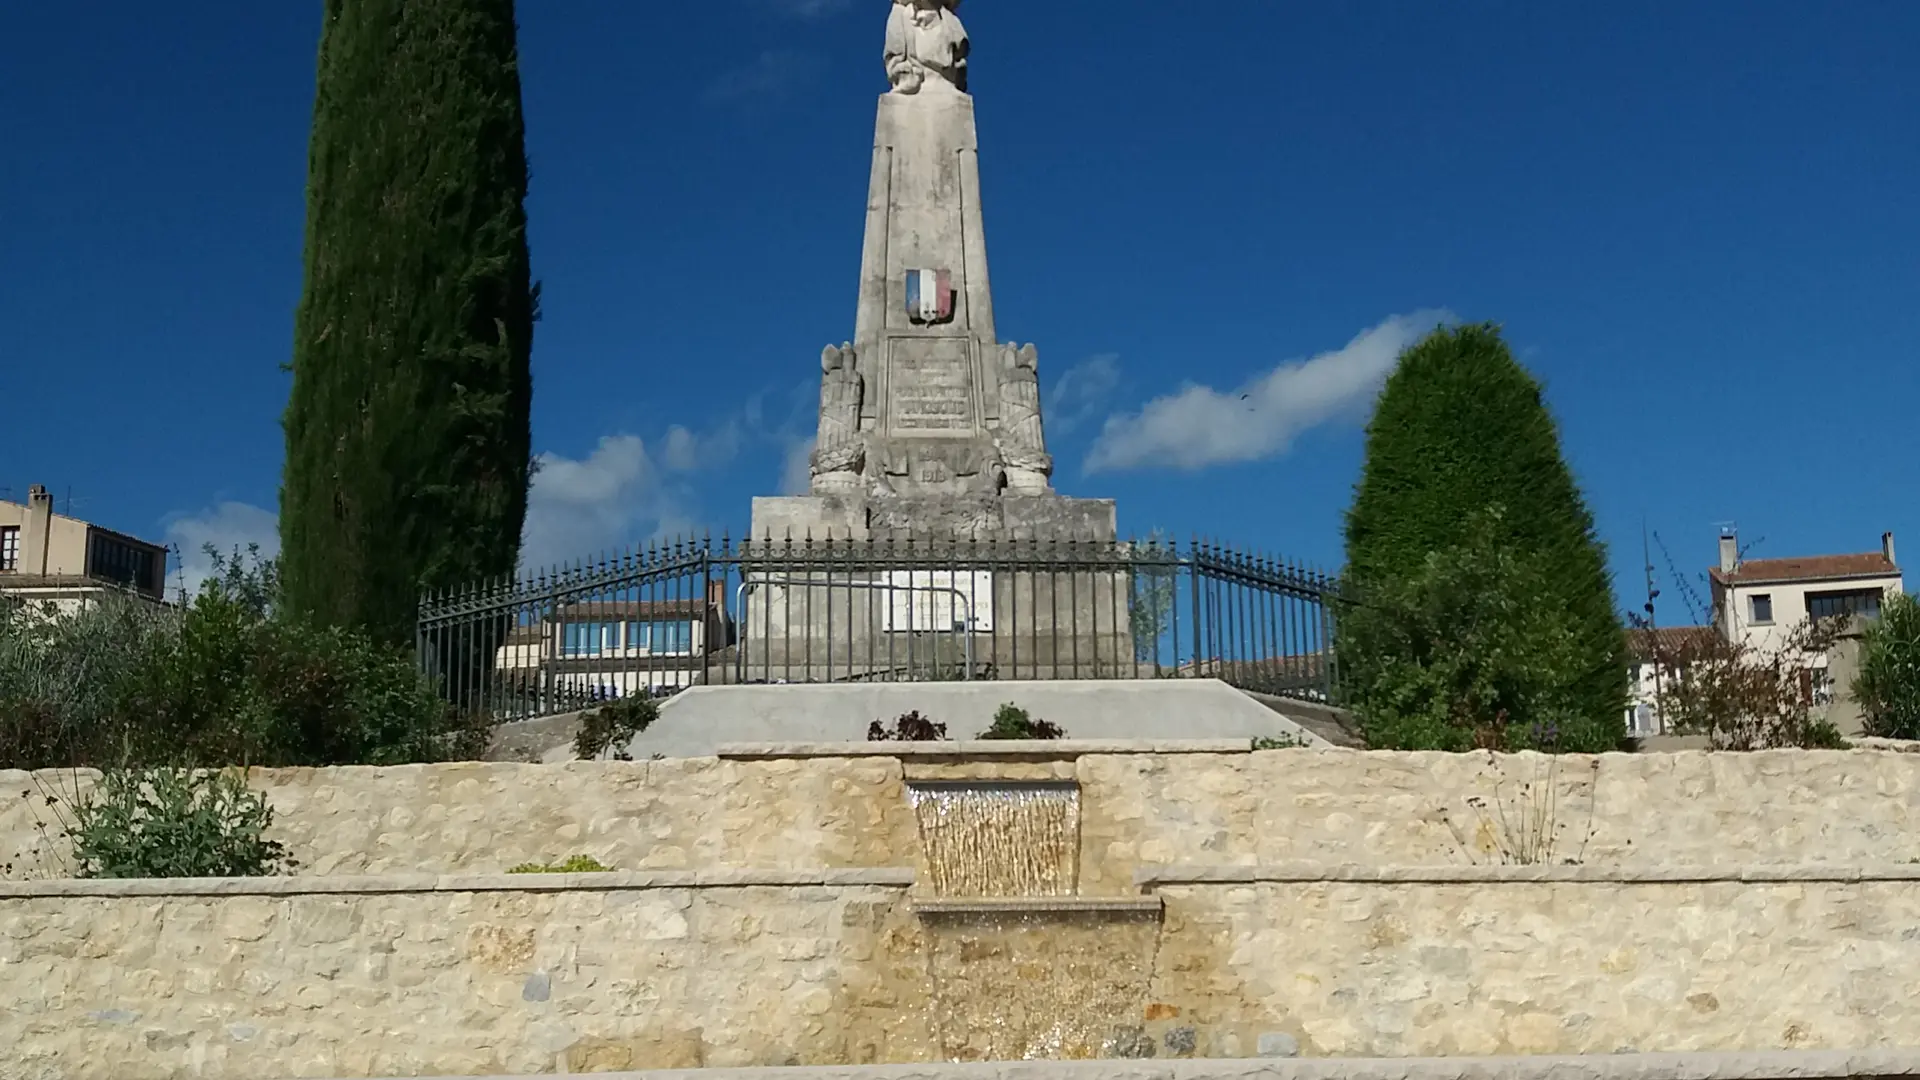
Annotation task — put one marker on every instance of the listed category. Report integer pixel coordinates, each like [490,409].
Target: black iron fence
[661,619]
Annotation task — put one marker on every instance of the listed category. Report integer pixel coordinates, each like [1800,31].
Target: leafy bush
[578,864]
[1012,722]
[223,680]
[1742,697]
[910,727]
[173,823]
[1469,652]
[62,678]
[1888,685]
[1278,742]
[614,725]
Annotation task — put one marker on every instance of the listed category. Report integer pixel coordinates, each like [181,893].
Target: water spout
[1000,839]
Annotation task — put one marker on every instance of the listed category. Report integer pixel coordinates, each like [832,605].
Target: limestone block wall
[1524,961]
[486,818]
[1342,807]
[387,977]
[1335,807]
[395,977]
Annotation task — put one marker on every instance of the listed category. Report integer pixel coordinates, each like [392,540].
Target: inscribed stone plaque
[939,600]
[930,387]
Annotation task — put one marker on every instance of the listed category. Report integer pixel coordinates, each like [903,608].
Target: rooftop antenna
[1695,607]
[1646,561]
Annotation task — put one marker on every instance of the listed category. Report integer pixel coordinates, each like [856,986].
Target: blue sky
[1697,222]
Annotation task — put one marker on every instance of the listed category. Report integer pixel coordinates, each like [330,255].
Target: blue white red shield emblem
[929,296]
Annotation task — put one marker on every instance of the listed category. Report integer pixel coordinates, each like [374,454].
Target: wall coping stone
[1757,1065]
[1148,877]
[1041,905]
[985,749]
[617,881]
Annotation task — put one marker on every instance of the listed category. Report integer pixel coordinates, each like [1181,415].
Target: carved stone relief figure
[926,46]
[1023,443]
[839,454]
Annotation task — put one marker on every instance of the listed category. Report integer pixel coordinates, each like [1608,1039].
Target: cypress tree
[407,453]
[1483,612]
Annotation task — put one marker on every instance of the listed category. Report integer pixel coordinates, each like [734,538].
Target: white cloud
[1080,391]
[796,471]
[684,451]
[769,74]
[1200,426]
[228,527]
[608,499]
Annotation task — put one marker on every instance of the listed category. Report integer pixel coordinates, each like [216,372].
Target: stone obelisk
[930,426]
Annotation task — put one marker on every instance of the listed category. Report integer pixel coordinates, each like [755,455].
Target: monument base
[933,517]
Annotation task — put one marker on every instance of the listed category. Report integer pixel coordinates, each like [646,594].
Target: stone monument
[930,425]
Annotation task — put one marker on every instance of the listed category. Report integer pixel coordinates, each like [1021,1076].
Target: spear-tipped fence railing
[660,619]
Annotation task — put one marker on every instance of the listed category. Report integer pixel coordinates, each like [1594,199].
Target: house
[600,650]
[1653,671]
[49,557]
[1759,602]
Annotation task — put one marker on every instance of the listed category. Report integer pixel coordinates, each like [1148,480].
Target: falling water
[1041,985]
[1004,839]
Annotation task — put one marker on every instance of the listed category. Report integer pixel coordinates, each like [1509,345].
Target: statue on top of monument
[1023,444]
[926,44]
[839,453]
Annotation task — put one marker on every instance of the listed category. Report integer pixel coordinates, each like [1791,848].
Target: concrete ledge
[1307,873]
[1043,905]
[618,881]
[1758,1065]
[977,749]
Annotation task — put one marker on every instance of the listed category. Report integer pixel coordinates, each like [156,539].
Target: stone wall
[1317,806]
[143,980]
[386,977]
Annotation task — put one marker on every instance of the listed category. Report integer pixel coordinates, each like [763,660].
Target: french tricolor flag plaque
[929,296]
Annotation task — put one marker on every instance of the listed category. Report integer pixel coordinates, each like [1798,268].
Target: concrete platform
[701,721]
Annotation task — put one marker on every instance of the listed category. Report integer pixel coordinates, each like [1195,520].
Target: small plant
[174,823]
[1521,826]
[1279,742]
[910,727]
[613,726]
[1012,722]
[578,864]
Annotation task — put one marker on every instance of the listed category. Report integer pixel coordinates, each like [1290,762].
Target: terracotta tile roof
[1670,640]
[1809,568]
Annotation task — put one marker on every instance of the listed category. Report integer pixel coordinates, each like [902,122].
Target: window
[9,547]
[661,638]
[1643,719]
[587,639]
[1761,608]
[112,559]
[1832,605]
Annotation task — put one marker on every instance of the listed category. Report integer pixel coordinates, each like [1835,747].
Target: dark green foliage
[1463,655]
[229,680]
[1013,722]
[1463,462]
[407,429]
[910,727]
[1888,686]
[612,726]
[173,823]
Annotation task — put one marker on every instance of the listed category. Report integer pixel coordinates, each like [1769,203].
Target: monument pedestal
[921,517]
